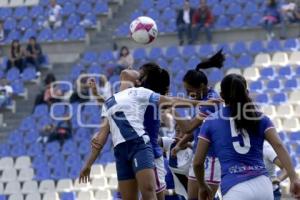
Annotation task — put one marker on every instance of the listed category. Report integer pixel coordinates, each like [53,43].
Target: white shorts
[259,188]
[160,174]
[212,171]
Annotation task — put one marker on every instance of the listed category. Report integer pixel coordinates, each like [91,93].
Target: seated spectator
[34,54]
[184,23]
[105,89]
[6,92]
[47,96]
[202,19]
[82,92]
[125,58]
[2,32]
[54,16]
[271,17]
[290,13]
[17,56]
[60,131]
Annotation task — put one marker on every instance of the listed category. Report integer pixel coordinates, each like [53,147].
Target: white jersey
[269,156]
[125,113]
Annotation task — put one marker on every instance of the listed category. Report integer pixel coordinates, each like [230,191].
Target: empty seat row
[282,111]
[16,3]
[25,174]
[20,163]
[279,59]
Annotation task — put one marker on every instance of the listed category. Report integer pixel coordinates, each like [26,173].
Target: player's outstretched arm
[283,155]
[182,102]
[97,143]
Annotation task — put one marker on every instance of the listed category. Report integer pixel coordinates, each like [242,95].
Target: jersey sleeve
[104,111]
[205,111]
[269,153]
[205,133]
[147,96]
[166,143]
[266,124]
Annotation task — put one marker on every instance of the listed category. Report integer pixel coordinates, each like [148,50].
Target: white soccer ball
[143,30]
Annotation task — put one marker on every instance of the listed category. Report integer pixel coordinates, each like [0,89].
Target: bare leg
[129,189]
[146,183]
[193,189]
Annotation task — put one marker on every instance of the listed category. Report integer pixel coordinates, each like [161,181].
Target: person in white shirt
[184,23]
[6,92]
[54,15]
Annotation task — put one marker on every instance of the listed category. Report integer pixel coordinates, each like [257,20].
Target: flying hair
[216,61]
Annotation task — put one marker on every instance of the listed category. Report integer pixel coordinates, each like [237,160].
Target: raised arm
[182,102]
[283,155]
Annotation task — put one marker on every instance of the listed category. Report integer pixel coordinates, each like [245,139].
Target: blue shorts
[133,156]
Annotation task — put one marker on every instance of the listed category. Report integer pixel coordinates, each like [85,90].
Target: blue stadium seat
[56,160]
[95,69]
[267,73]
[233,9]
[162,63]
[58,110]
[136,14]
[106,56]
[218,10]
[192,62]
[256,86]
[40,161]
[239,48]
[67,196]
[254,20]
[162,4]
[291,44]
[52,148]
[245,61]
[44,2]
[168,14]
[77,33]
[18,150]
[285,72]
[27,124]
[77,69]
[230,62]
[84,8]
[72,21]
[3,197]
[4,150]
[5,13]
[274,85]
[238,21]
[13,35]
[206,50]
[82,134]
[177,4]
[29,74]
[297,71]
[20,12]
[155,53]
[250,8]
[13,74]
[139,54]
[225,46]
[176,65]
[10,24]
[18,87]
[153,13]
[42,174]
[84,147]
[295,136]
[25,23]
[171,26]
[15,137]
[61,34]
[273,46]
[89,57]
[256,47]
[146,5]
[101,8]
[59,172]
[279,98]
[73,173]
[262,98]
[35,149]
[215,75]
[189,51]
[40,110]
[172,52]
[222,22]
[36,11]
[45,35]
[283,136]
[291,84]
[43,121]
[122,30]
[69,8]
[74,160]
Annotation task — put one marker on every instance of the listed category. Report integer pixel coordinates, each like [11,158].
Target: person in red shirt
[202,19]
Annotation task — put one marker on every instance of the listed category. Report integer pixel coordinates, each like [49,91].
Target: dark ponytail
[235,94]
[196,77]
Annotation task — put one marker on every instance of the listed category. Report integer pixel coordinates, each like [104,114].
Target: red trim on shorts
[156,178]
[212,172]
[213,182]
[192,178]
[204,138]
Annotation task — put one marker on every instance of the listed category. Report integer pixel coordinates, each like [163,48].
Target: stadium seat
[245,61]
[36,11]
[45,35]
[269,110]
[268,73]
[291,124]
[295,58]
[291,84]
[172,52]
[256,86]
[30,187]
[9,175]
[250,8]
[262,60]
[16,197]
[274,46]
[295,97]
[26,174]
[279,98]
[256,47]
[81,186]
[234,71]
[64,185]
[23,162]
[215,75]
[35,196]
[139,54]
[51,196]
[20,12]
[280,59]
[168,14]
[274,86]
[295,136]
[31,2]
[1,188]
[233,9]
[206,50]
[47,186]
[99,183]
[4,152]
[72,21]
[285,72]
[291,44]
[60,34]
[277,124]
[83,195]
[4,3]
[189,51]
[5,13]
[69,8]
[113,183]
[52,148]
[192,62]
[12,187]
[285,111]
[238,21]
[68,196]
[230,62]
[97,171]
[251,73]
[222,22]
[153,13]
[262,98]
[155,53]
[218,10]
[110,170]
[239,48]
[16,3]
[103,194]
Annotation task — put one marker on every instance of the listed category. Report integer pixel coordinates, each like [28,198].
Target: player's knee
[148,191]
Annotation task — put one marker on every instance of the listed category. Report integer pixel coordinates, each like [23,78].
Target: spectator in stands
[270,18]
[17,56]
[54,15]
[202,19]
[6,92]
[82,92]
[290,13]
[34,54]
[47,96]
[105,89]
[125,58]
[2,32]
[184,23]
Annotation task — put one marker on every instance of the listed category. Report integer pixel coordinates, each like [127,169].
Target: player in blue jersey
[236,133]
[196,85]
[123,115]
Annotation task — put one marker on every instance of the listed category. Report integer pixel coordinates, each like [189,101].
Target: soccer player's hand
[92,83]
[295,189]
[205,192]
[85,175]
[175,151]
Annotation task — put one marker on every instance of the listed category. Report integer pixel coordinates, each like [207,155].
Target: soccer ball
[143,30]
